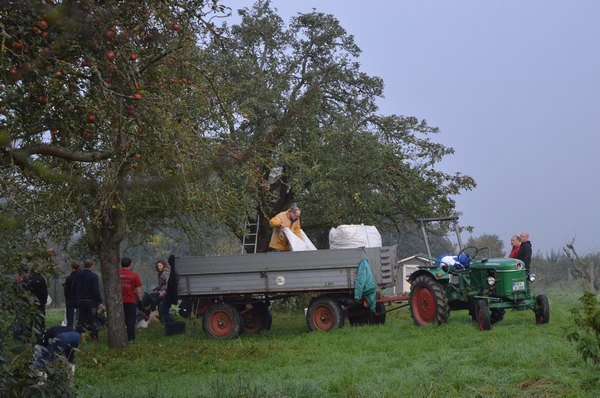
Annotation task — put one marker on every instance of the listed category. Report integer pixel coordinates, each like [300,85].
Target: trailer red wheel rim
[220,323]
[323,318]
[423,305]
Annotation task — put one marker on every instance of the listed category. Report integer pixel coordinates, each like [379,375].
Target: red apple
[36,30]
[13,72]
[91,118]
[45,35]
[111,67]
[176,26]
[58,73]
[110,34]
[133,57]
[245,115]
[137,156]
[42,99]
[110,56]
[18,45]
[137,96]
[44,24]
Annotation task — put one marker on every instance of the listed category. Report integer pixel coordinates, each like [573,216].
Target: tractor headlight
[531,277]
[491,280]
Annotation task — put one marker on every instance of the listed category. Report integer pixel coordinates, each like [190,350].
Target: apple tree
[302,121]
[102,120]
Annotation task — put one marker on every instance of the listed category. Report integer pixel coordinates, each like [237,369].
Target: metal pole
[460,246]
[426,240]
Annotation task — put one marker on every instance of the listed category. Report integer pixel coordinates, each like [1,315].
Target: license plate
[519,285]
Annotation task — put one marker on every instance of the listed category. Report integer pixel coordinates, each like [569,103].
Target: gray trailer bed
[283,272]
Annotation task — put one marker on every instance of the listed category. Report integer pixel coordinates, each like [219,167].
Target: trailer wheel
[257,319]
[369,318]
[222,321]
[542,312]
[324,313]
[380,314]
[428,301]
[483,315]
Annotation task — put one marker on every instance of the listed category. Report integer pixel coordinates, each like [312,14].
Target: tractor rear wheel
[222,321]
[542,313]
[482,314]
[324,313]
[428,301]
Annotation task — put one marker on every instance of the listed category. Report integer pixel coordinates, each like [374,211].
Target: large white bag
[298,244]
[353,236]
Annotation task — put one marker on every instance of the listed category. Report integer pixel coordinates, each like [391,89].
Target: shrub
[586,334]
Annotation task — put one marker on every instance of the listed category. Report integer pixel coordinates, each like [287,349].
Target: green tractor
[486,287]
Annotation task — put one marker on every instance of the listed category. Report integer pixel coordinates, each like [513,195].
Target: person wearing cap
[286,219]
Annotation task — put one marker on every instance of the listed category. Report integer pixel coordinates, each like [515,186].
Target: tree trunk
[264,234]
[109,262]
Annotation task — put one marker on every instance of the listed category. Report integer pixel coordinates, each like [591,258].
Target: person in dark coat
[71,293]
[525,251]
[34,283]
[87,291]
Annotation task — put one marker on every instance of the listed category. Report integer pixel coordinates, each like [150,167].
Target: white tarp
[353,236]
[298,244]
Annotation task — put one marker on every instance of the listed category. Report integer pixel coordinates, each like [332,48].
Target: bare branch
[67,154]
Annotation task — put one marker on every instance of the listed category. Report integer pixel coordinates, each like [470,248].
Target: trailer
[233,293]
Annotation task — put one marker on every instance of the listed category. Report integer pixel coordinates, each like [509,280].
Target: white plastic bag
[353,236]
[298,244]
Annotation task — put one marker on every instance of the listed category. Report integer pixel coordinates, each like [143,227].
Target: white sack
[353,236]
[298,244]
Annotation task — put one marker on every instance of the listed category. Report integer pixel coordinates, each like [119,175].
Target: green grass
[515,359]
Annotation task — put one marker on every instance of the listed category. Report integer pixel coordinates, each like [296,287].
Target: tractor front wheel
[497,315]
[222,321]
[542,311]
[428,301]
[482,314]
[324,313]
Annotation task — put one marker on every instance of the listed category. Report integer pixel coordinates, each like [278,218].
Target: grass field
[515,359]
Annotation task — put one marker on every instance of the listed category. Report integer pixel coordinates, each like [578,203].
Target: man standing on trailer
[286,219]
[524,253]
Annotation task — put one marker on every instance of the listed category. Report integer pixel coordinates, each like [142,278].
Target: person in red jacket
[130,286]
[515,242]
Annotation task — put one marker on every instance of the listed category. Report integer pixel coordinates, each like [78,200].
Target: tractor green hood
[499,264]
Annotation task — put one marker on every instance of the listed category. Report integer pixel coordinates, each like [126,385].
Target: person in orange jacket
[286,219]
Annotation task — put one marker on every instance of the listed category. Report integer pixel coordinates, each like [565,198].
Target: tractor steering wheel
[470,251]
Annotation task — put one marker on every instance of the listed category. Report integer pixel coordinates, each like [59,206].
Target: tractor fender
[436,273]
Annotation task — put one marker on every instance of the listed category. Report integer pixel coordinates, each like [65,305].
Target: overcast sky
[514,87]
